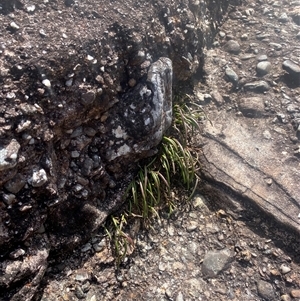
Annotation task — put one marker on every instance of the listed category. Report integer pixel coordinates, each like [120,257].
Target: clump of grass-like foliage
[174,165]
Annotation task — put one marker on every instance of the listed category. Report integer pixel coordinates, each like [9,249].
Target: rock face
[250,148]
[86,92]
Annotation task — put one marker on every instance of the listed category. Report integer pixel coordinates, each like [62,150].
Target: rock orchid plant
[175,165]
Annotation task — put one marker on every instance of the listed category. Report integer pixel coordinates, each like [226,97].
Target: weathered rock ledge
[85,90]
[250,150]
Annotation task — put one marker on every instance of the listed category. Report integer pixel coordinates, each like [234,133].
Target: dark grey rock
[87,166]
[283,18]
[79,292]
[15,184]
[217,97]
[246,57]
[263,68]
[34,264]
[276,46]
[252,107]
[215,262]
[262,36]
[262,57]
[16,253]
[231,76]
[232,46]
[88,98]
[292,68]
[77,132]
[295,13]
[55,84]
[265,290]
[257,86]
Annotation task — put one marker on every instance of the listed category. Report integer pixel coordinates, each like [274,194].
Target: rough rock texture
[251,144]
[167,261]
[85,92]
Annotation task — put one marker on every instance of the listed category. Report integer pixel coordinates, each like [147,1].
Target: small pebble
[179,297]
[30,8]
[263,68]
[285,298]
[285,269]
[283,18]
[257,86]
[193,225]
[42,33]
[93,298]
[231,76]
[222,34]
[291,67]
[244,37]
[295,293]
[265,290]
[46,83]
[232,46]
[14,26]
[75,154]
[262,57]
[39,178]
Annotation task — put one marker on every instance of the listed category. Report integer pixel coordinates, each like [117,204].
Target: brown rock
[295,293]
[252,107]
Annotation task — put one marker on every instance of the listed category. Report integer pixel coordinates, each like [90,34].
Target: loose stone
[285,298]
[217,97]
[244,37]
[39,178]
[179,297]
[296,15]
[75,154]
[252,106]
[262,36]
[17,253]
[9,155]
[69,82]
[265,290]
[283,18]
[257,86]
[247,57]
[262,57]
[292,68]
[276,46]
[285,269]
[88,98]
[77,132]
[231,76]
[79,292]
[263,68]
[14,26]
[15,184]
[82,275]
[89,131]
[46,83]
[232,46]
[216,261]
[42,33]
[295,293]
[132,82]
[30,8]
[193,225]
[8,199]
[222,34]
